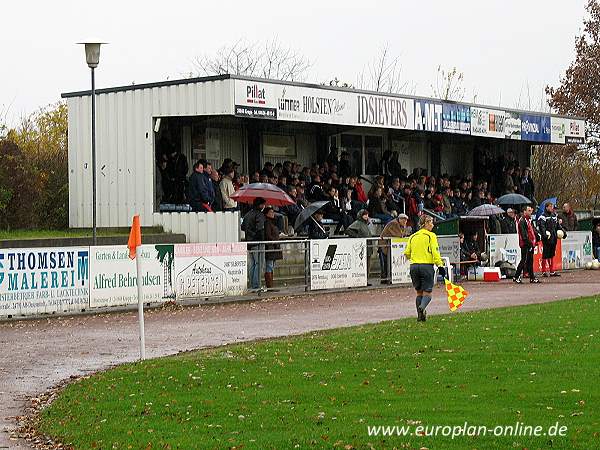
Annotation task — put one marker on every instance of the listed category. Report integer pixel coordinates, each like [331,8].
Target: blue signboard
[456,118]
[535,128]
[428,115]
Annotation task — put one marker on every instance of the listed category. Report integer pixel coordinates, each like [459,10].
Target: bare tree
[270,59]
[384,74]
[449,85]
[532,101]
[569,173]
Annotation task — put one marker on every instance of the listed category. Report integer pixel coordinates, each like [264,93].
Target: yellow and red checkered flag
[456,295]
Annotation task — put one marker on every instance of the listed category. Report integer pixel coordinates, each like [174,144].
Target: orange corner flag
[135,236]
[456,295]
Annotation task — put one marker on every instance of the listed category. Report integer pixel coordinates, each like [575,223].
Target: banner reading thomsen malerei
[43,280]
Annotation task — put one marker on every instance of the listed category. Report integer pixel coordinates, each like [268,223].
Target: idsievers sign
[305,104]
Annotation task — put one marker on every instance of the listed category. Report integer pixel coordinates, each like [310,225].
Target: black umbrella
[307,213]
[513,199]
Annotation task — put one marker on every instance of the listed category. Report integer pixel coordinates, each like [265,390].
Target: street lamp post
[92,57]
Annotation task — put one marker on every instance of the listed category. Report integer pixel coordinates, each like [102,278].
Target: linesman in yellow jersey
[423,252]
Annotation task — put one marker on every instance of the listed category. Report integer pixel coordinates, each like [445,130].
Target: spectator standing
[596,241]
[509,184]
[528,238]
[217,203]
[253,225]
[568,218]
[394,166]
[508,224]
[272,251]
[549,226]
[177,168]
[200,193]
[527,185]
[397,228]
[360,229]
[345,167]
[227,189]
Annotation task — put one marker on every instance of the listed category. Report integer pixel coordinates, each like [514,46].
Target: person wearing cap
[397,228]
[424,253]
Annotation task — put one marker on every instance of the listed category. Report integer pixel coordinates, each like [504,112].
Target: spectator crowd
[387,195]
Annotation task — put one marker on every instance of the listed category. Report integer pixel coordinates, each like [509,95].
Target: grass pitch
[536,365]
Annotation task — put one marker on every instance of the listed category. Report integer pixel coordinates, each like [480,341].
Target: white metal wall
[125,147]
[201,227]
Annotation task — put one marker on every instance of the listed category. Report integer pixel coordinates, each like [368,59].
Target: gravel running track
[37,354]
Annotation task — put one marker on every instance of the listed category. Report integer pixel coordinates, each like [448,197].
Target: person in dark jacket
[345,167]
[292,211]
[508,224]
[377,205]
[200,189]
[568,218]
[596,241]
[253,225]
[272,251]
[177,168]
[315,227]
[528,238]
[360,229]
[527,185]
[394,166]
[333,210]
[217,203]
[548,226]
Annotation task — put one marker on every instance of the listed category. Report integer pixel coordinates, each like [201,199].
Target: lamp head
[92,53]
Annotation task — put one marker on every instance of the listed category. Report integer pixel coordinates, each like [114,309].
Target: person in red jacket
[358,190]
[528,237]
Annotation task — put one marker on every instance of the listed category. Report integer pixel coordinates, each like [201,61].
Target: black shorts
[422,277]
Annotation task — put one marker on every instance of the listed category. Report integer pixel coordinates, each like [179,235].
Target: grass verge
[68,233]
[537,365]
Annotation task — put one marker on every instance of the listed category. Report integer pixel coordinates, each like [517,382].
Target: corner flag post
[135,252]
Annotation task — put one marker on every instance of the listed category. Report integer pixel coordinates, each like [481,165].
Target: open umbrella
[513,199]
[486,210]
[542,206]
[307,213]
[273,195]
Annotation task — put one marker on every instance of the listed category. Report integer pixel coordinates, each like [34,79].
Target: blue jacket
[200,191]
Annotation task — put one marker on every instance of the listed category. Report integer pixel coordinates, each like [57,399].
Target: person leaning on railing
[423,252]
[397,228]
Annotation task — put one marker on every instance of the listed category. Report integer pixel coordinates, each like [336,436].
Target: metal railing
[294,269]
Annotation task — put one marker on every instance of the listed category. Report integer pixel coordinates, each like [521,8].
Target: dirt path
[37,354]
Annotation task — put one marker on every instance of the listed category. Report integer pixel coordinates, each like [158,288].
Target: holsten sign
[275,101]
[306,104]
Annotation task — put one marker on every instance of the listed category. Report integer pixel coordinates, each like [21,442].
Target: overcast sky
[502,47]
